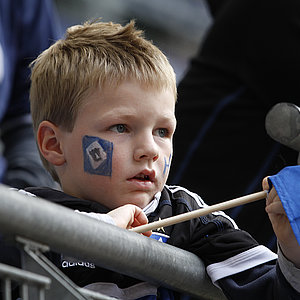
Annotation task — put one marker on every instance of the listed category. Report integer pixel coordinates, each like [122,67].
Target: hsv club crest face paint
[97,154]
[167,164]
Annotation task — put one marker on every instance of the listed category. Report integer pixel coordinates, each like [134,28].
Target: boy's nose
[146,149]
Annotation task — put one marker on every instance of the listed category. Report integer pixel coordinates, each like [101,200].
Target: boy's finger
[271,196]
[275,208]
[141,218]
[147,233]
[265,183]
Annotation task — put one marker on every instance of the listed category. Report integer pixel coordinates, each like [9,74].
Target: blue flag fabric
[287,185]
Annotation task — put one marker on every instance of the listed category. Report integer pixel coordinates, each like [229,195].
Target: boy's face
[120,149]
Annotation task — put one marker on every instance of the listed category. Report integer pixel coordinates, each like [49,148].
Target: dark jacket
[250,269]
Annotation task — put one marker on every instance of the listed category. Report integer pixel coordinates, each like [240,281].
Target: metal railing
[106,245]
[25,279]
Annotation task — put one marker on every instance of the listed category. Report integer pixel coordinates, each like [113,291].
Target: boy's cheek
[97,155]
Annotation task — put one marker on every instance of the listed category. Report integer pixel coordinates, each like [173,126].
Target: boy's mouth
[146,175]
[142,177]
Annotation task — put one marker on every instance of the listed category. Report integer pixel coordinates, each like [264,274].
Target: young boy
[103,102]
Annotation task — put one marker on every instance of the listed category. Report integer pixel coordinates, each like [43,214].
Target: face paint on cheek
[97,155]
[167,164]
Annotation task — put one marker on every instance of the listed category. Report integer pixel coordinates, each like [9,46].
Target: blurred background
[175,26]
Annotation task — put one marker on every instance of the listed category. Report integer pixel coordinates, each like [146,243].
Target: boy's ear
[48,140]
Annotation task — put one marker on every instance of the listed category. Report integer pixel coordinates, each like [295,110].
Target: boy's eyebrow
[116,113]
[124,113]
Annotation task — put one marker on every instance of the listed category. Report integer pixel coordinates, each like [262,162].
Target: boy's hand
[128,216]
[281,225]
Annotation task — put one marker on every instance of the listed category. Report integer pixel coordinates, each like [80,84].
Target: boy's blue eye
[119,128]
[162,132]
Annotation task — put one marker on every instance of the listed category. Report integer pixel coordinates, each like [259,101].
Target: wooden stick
[201,212]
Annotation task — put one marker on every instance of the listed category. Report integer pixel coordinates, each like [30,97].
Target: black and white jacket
[235,262]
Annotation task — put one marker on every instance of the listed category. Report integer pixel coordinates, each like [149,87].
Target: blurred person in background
[248,62]
[27,27]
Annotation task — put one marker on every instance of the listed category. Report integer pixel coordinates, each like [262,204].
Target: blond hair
[91,56]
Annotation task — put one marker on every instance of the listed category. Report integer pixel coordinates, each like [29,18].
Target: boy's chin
[140,200]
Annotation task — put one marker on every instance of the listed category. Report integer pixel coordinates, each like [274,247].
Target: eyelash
[166,132]
[116,128]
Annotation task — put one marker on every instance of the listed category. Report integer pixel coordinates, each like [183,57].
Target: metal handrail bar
[25,279]
[106,245]
[24,276]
